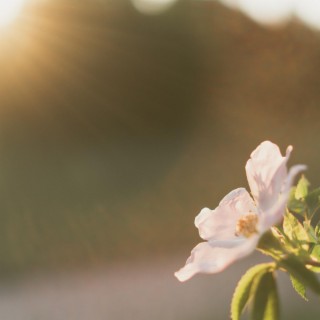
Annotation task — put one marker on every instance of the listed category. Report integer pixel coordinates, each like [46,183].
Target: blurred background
[119,121]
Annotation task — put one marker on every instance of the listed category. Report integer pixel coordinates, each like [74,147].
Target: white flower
[233,229]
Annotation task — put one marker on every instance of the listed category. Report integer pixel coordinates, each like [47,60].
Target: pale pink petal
[266,172]
[215,256]
[220,224]
[275,214]
[291,176]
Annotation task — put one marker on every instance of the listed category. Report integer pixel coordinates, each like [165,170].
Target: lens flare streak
[9,10]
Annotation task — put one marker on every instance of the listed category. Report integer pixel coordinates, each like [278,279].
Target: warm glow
[267,11]
[152,6]
[9,9]
[272,12]
[309,12]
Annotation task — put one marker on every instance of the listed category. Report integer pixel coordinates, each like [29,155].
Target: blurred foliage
[117,128]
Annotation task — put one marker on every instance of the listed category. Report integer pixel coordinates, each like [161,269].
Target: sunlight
[269,12]
[9,10]
[309,12]
[272,12]
[152,6]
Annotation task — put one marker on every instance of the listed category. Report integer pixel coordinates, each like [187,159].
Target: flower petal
[275,214]
[266,172]
[215,256]
[220,224]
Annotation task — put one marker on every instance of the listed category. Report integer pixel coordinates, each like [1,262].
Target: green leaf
[317,230]
[316,252]
[270,244]
[302,188]
[294,230]
[298,270]
[311,232]
[313,200]
[294,205]
[299,287]
[266,301]
[315,256]
[242,293]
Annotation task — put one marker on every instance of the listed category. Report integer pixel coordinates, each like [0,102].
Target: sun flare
[9,10]
[152,6]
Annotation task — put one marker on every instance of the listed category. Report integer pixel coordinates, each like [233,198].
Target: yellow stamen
[247,225]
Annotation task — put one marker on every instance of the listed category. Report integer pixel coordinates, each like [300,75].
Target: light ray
[152,6]
[9,10]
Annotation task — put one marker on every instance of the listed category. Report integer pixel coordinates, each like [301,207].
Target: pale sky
[267,12]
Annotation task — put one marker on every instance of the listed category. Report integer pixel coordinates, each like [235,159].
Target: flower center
[247,225]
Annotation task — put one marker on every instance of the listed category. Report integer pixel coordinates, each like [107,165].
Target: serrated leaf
[265,301]
[311,232]
[294,230]
[317,230]
[270,244]
[299,287]
[302,188]
[298,270]
[315,255]
[316,252]
[242,292]
[294,205]
[313,200]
